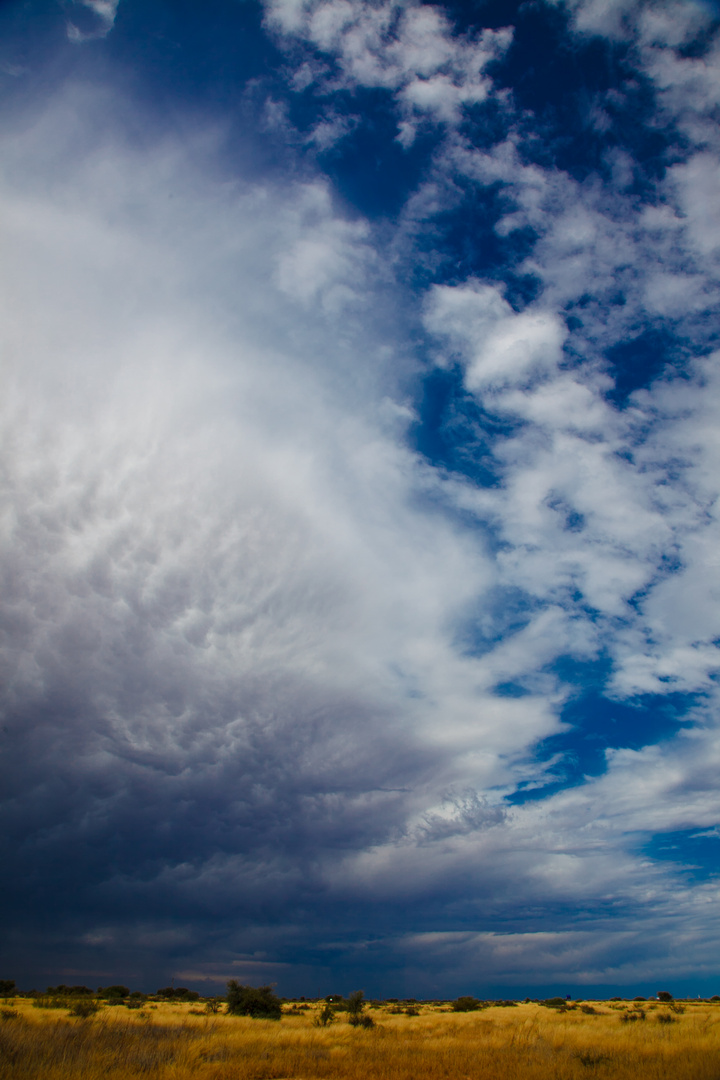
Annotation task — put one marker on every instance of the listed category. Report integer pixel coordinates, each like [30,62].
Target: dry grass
[525,1043]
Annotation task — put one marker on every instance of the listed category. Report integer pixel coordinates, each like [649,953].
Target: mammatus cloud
[228,584]
[267,668]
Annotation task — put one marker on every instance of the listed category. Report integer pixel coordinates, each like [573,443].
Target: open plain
[527,1042]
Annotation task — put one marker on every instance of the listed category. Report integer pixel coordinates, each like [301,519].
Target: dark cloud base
[337,652]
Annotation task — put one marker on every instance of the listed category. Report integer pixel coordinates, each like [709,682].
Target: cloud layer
[284,696]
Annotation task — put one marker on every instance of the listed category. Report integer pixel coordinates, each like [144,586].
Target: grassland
[529,1042]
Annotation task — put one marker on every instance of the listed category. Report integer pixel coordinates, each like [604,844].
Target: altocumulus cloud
[287,693]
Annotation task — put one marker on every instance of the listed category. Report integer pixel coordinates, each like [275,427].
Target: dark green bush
[177,993]
[83,1008]
[664,995]
[113,993]
[465,1004]
[361,1020]
[257,1001]
[325,1016]
[558,1003]
[355,1004]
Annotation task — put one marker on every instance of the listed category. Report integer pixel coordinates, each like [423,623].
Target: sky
[360,557]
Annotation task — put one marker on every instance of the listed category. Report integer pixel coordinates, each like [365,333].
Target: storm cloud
[359,614]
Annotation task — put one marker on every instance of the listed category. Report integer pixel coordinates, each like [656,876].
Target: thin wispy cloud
[102,15]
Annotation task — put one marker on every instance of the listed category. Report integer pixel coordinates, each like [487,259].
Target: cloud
[266,667]
[230,592]
[329,258]
[501,348]
[104,13]
[408,49]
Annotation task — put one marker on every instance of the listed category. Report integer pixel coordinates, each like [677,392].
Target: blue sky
[360,620]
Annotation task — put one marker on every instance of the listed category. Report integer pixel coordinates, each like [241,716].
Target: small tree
[257,1001]
[664,995]
[7,987]
[325,1016]
[355,1006]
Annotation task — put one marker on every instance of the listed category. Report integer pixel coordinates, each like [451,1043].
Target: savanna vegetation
[76,1035]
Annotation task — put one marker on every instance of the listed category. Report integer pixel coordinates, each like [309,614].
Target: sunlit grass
[530,1042]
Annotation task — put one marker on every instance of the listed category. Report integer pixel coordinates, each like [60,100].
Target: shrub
[664,995]
[634,1014]
[113,993]
[465,1004]
[362,1021]
[9,1014]
[178,993]
[7,987]
[325,1016]
[355,1005]
[259,1002]
[84,1008]
[665,1018]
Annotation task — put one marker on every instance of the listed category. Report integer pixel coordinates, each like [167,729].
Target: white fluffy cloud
[409,49]
[499,347]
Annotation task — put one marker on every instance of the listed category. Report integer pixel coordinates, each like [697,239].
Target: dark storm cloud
[272,680]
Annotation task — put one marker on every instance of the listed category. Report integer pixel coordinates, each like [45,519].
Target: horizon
[185,994]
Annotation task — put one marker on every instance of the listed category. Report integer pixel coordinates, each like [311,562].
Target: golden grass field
[530,1042]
